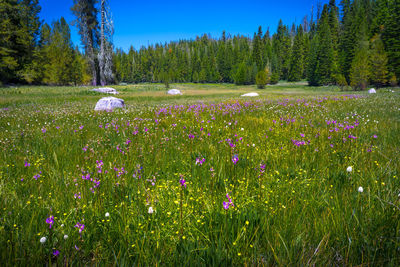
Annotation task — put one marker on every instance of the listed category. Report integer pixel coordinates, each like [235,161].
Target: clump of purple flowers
[80,227]
[228,203]
[37,176]
[235,159]
[50,221]
[27,164]
[200,161]
[182,182]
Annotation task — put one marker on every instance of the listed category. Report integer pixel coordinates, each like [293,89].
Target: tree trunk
[102,62]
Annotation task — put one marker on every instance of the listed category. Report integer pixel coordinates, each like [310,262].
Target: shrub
[274,78]
[261,79]
[393,80]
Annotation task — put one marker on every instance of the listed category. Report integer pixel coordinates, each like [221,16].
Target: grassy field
[297,176]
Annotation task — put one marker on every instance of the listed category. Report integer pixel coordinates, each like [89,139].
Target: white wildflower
[360,189]
[43,239]
[349,169]
[65,237]
[150,210]
[107,214]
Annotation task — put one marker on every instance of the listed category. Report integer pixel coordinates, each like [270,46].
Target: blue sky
[140,23]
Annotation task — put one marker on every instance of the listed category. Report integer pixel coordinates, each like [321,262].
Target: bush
[261,79]
[393,80]
[274,78]
[341,81]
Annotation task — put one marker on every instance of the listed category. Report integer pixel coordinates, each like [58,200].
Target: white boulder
[174,92]
[372,91]
[251,94]
[106,90]
[109,103]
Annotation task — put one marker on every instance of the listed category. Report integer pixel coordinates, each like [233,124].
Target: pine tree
[85,12]
[378,62]
[257,49]
[282,48]
[59,55]
[360,69]
[391,35]
[296,62]
[313,74]
[240,76]
[326,50]
[19,32]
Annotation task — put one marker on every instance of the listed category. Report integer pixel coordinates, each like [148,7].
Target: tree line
[34,52]
[355,43]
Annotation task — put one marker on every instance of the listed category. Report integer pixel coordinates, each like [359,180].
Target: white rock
[251,94]
[174,92]
[372,91]
[109,103]
[106,90]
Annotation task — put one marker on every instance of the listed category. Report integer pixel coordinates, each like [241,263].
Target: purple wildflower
[235,159]
[50,221]
[226,205]
[183,182]
[200,161]
[80,227]
[56,252]
[229,203]
[27,164]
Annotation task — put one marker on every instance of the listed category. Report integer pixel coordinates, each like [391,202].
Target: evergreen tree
[296,62]
[360,69]
[240,76]
[378,62]
[85,12]
[59,55]
[391,35]
[257,49]
[261,79]
[19,32]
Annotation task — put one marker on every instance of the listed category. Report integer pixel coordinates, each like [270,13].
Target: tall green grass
[293,202]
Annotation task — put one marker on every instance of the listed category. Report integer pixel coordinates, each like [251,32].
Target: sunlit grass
[281,160]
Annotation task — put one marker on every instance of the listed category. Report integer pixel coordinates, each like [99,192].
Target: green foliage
[393,80]
[341,81]
[240,77]
[261,79]
[19,29]
[389,26]
[378,62]
[274,78]
[296,68]
[322,68]
[360,68]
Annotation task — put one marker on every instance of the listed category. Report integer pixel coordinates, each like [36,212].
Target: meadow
[297,176]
